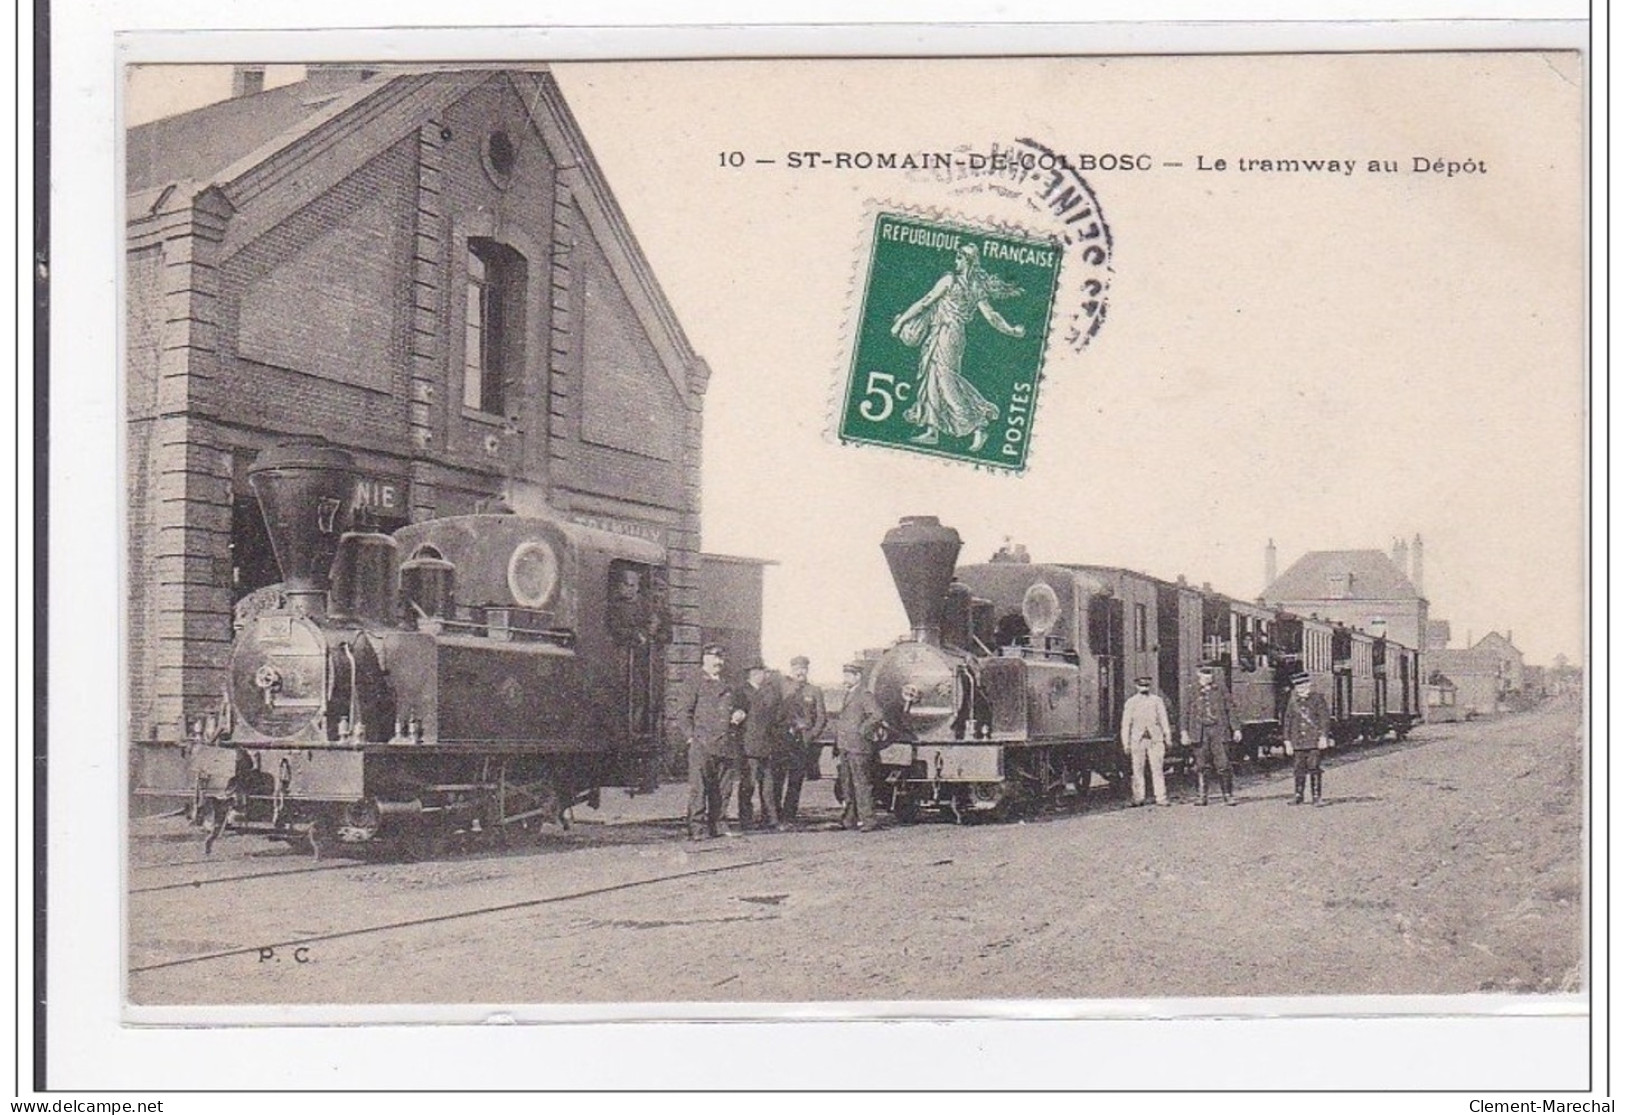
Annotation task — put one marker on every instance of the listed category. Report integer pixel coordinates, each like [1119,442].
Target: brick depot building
[425,268]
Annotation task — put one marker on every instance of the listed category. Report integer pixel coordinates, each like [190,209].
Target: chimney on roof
[1269,564]
[333,76]
[247,80]
[1416,565]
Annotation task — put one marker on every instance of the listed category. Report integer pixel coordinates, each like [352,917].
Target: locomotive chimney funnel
[921,553]
[306,490]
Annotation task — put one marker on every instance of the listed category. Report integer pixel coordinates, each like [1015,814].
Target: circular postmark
[1044,189]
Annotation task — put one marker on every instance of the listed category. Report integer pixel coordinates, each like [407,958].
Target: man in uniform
[857,739]
[1145,735]
[1210,726]
[708,712]
[764,705]
[805,717]
[1307,727]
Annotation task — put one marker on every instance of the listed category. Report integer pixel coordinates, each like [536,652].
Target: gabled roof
[237,149]
[196,146]
[1459,663]
[1376,577]
[1495,641]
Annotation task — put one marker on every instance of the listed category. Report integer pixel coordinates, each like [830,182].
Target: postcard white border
[1534,1046]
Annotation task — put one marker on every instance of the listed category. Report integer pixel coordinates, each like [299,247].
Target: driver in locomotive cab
[1210,727]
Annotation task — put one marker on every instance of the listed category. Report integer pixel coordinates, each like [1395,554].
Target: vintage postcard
[681,539]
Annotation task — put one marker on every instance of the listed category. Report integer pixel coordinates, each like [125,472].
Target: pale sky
[1328,360]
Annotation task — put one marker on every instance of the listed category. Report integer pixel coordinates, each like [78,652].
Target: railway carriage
[1237,639]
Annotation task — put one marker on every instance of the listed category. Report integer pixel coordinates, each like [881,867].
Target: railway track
[456,915]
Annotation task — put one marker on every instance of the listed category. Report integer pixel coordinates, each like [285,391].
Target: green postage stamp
[950,341]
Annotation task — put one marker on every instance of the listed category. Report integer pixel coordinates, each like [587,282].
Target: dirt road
[1450,863]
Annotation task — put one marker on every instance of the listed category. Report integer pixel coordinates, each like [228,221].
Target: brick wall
[310,342]
[345,319]
[144,317]
[516,211]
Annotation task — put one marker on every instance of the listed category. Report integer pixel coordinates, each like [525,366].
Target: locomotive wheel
[322,837]
[423,842]
[526,809]
[906,808]
[1081,781]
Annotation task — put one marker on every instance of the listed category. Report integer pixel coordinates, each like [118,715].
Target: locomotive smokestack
[921,553]
[306,489]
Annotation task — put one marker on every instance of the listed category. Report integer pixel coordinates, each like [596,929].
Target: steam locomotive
[1008,690]
[475,673]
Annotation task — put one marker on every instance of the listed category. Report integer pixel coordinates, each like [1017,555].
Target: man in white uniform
[1145,739]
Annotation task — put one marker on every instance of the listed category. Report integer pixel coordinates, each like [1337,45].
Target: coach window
[494,325]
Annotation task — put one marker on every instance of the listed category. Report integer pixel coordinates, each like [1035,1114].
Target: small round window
[500,157]
[533,574]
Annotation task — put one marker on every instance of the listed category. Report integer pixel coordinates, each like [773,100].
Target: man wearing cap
[1210,726]
[764,707]
[1145,735]
[804,719]
[708,712]
[857,740]
[1306,725]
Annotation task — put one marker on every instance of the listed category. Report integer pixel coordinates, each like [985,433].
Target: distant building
[1365,589]
[1486,676]
[1509,659]
[1438,637]
[730,607]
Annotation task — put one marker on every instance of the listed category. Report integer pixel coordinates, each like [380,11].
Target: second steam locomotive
[1009,687]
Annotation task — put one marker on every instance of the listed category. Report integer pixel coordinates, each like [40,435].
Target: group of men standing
[765,739]
[1210,726]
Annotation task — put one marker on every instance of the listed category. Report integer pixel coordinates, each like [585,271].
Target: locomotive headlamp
[1041,608]
[533,574]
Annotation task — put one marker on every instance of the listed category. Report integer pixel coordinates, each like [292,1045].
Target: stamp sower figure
[1145,737]
[709,711]
[947,402]
[804,719]
[857,738]
[1307,725]
[764,704]
[1210,726]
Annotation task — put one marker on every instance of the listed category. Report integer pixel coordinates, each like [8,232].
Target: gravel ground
[1450,863]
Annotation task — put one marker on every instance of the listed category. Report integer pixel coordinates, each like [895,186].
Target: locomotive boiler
[1008,690]
[478,673]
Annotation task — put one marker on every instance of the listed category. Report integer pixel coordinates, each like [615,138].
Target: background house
[1367,589]
[1488,676]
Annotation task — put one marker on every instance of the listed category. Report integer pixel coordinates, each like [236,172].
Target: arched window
[494,325]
